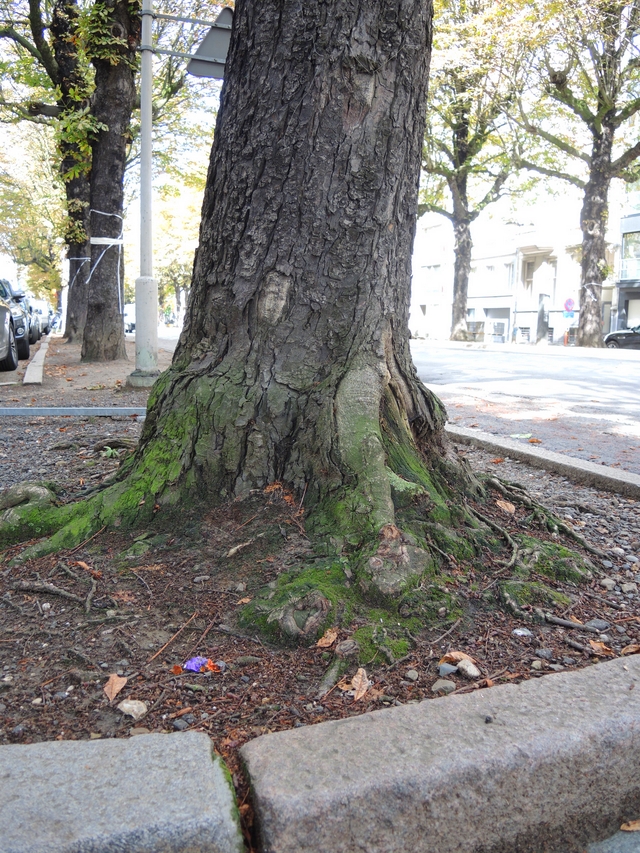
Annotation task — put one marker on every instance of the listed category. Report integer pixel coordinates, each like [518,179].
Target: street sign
[568,314]
[210,57]
[569,305]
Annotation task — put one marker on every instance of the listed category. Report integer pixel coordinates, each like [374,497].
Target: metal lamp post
[208,61]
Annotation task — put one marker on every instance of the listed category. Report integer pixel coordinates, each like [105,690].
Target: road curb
[578,470]
[35,369]
[547,765]
[74,411]
[147,794]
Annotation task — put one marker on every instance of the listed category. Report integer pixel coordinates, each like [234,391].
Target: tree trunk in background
[294,362]
[461,271]
[112,105]
[593,222]
[72,83]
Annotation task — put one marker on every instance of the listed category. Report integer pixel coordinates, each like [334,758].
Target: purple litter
[195,664]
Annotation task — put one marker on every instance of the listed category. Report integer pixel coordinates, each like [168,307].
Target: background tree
[32,206]
[469,148]
[51,79]
[588,92]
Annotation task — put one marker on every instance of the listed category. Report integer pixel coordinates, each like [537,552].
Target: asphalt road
[572,401]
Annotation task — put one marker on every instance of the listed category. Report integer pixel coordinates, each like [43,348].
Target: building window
[509,270]
[630,256]
[529,269]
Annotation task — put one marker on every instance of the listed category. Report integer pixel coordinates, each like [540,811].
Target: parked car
[21,329]
[45,314]
[35,324]
[629,338]
[8,346]
[130,317]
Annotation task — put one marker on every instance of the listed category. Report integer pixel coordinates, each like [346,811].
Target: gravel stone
[443,686]
[598,624]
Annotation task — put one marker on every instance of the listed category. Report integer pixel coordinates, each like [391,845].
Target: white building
[525,274]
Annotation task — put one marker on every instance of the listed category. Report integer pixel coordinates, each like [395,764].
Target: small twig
[612,604]
[225,629]
[303,496]
[142,580]
[401,660]
[42,586]
[86,541]
[566,623]
[576,645]
[565,528]
[446,633]
[89,598]
[7,600]
[177,633]
[627,619]
[200,639]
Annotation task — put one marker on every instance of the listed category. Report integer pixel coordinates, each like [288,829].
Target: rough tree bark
[593,222]
[295,358]
[71,81]
[461,270]
[113,102]
[294,364]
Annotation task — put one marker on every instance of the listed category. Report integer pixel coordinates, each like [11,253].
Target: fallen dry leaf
[633,649]
[243,601]
[631,826]
[506,506]
[176,669]
[455,657]
[601,649]
[83,565]
[328,638]
[575,620]
[534,441]
[114,685]
[360,684]
[133,708]
[497,461]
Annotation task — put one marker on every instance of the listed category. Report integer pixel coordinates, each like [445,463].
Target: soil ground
[138,605]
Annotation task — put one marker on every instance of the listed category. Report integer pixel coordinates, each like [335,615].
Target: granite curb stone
[149,794]
[35,369]
[548,765]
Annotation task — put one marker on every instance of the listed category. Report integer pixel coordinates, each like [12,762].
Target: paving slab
[149,794]
[546,766]
[578,470]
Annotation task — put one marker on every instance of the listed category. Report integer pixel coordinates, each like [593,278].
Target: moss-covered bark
[294,364]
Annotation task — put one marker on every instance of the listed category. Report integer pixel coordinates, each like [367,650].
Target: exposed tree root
[517,494]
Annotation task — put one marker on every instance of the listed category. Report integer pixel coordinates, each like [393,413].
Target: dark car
[8,346]
[35,330]
[21,327]
[629,338]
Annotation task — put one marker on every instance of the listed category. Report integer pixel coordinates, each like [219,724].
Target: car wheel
[10,362]
[23,348]
[613,345]
[33,335]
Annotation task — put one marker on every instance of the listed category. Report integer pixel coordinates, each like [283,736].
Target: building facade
[524,285]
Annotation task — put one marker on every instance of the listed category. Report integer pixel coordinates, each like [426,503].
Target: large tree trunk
[461,269]
[112,105]
[294,363]
[593,222]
